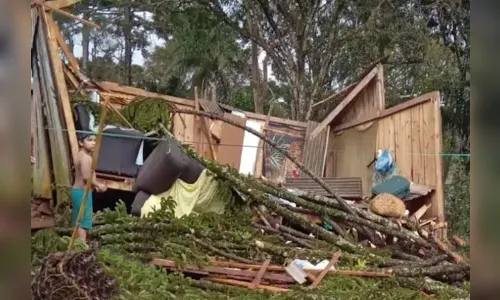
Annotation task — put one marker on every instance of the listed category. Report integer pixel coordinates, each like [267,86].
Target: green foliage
[458,199]
[144,114]
[125,244]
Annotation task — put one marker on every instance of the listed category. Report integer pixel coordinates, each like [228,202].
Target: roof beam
[347,100]
[62,3]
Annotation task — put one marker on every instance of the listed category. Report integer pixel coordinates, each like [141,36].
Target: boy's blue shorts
[77,197]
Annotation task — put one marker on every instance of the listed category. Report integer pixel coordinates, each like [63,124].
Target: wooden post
[439,205]
[325,154]
[62,90]
[95,157]
[380,88]
[260,150]
[206,130]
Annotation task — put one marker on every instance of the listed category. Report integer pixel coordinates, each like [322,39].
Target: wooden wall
[414,136]
[412,131]
[353,150]
[368,102]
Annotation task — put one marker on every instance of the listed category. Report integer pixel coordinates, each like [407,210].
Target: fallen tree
[413,263]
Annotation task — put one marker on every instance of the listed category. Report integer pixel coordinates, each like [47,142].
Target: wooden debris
[443,247]
[49,6]
[460,242]
[272,268]
[256,281]
[428,221]
[440,225]
[421,211]
[321,275]
[250,275]
[261,217]
[246,284]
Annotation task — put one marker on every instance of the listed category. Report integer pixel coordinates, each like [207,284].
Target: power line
[246,146]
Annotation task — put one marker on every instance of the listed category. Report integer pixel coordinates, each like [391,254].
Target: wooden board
[63,3]
[345,102]
[42,180]
[418,167]
[438,148]
[353,150]
[57,67]
[330,154]
[365,104]
[231,143]
[314,150]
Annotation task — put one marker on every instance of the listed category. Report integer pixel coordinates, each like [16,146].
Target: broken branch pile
[260,237]
[75,275]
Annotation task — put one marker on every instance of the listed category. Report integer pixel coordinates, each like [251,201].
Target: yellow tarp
[202,196]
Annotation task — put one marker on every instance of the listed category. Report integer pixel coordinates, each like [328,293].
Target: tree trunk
[299,100]
[85,42]
[258,100]
[127,34]
[256,81]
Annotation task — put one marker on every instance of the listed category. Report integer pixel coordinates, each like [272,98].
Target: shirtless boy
[83,164]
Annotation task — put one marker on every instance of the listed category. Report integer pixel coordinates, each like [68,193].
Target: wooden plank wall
[314,150]
[369,102]
[414,136]
[231,143]
[353,150]
[188,129]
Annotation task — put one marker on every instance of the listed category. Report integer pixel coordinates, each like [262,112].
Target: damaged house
[357,194]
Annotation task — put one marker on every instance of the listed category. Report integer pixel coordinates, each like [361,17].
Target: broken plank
[256,281]
[274,268]
[62,89]
[54,29]
[63,3]
[443,247]
[323,273]
[261,217]
[49,6]
[459,241]
[345,102]
[246,284]
[421,211]
[428,221]
[282,278]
